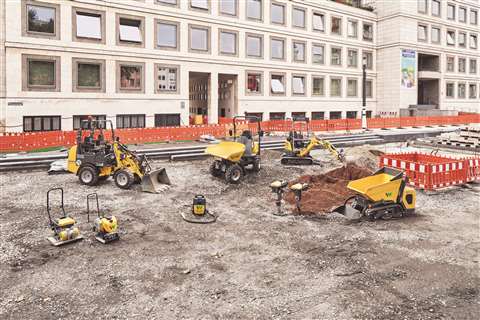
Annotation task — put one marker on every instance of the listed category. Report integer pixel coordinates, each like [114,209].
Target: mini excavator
[297,148]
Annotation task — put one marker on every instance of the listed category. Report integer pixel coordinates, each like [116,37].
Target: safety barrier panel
[432,172]
[40,140]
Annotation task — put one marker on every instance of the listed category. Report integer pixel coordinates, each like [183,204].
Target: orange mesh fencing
[28,141]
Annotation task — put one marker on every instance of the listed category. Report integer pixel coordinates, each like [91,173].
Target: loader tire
[124,179]
[214,171]
[88,175]
[234,174]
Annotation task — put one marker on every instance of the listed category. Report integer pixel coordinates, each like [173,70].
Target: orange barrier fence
[431,172]
[39,140]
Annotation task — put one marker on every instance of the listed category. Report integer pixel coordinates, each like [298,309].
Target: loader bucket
[155,181]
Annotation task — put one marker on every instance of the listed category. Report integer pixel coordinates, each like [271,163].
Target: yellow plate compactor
[383,195]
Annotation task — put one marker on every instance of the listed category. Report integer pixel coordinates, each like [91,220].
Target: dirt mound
[327,190]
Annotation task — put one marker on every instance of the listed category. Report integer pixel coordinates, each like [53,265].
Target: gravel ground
[249,264]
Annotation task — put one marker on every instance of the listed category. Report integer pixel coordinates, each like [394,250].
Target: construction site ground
[249,264]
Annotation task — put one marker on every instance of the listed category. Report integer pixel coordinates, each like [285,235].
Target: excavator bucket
[155,181]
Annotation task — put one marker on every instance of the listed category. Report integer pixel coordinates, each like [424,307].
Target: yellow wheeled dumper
[383,195]
[95,159]
[232,157]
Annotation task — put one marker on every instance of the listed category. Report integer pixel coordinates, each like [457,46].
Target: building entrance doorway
[428,93]
[199,96]
[227,95]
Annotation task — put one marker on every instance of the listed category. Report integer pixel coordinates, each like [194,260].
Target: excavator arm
[306,151]
[331,148]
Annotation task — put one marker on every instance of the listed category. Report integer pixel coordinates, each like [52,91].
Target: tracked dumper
[383,195]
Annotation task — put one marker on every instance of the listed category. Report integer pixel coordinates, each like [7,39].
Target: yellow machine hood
[228,150]
[377,186]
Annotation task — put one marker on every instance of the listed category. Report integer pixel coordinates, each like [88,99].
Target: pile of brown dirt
[327,190]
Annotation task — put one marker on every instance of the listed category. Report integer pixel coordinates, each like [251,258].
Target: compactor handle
[95,197]
[48,202]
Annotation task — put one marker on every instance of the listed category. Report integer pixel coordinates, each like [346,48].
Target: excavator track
[297,161]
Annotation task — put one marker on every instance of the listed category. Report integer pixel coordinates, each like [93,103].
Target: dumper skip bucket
[155,181]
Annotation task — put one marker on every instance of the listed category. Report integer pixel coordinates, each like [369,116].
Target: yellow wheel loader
[233,157]
[383,195]
[297,148]
[95,159]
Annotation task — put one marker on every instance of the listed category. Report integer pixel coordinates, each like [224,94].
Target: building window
[130,30]
[450,90]
[203,5]
[367,32]
[367,57]
[254,82]
[462,14]
[318,115]
[473,41]
[462,65]
[336,57]
[166,79]
[130,77]
[336,27]
[228,7]
[254,9]
[351,114]
[298,51]
[352,58]
[450,64]
[436,8]
[298,116]
[167,35]
[88,25]
[254,45]
[41,73]
[473,66]
[473,17]
[277,115]
[168,2]
[472,91]
[277,48]
[450,37]
[298,18]
[228,42]
[318,53]
[298,85]
[462,94]
[422,6]
[352,28]
[335,115]
[277,13]
[41,123]
[41,20]
[462,39]
[277,84]
[77,120]
[335,87]
[422,33]
[199,39]
[451,11]
[369,88]
[130,121]
[318,86]
[167,120]
[88,75]
[352,87]
[435,34]
[318,22]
